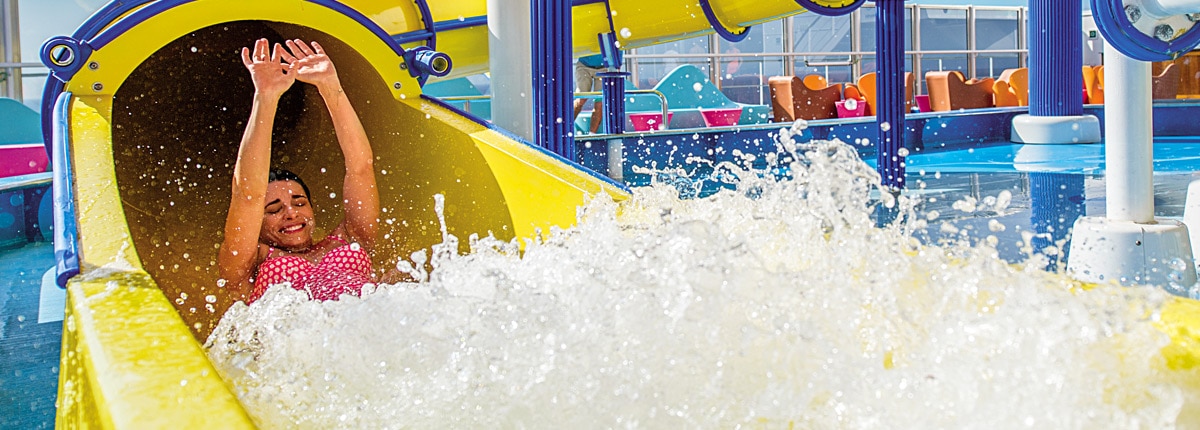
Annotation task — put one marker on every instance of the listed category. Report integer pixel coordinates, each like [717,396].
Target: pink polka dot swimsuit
[343,270]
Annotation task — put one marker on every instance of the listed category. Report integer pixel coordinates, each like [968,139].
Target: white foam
[778,303]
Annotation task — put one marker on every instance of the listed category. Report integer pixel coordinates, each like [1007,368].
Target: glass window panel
[943,29]
[743,78]
[695,45]
[867,64]
[816,33]
[991,65]
[651,70]
[995,29]
[868,29]
[765,37]
[942,62]
[834,68]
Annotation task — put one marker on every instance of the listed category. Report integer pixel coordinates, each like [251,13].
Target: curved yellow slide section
[155,126]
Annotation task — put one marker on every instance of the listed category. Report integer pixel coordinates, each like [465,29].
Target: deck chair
[791,99]
[949,91]
[1012,89]
[851,92]
[1093,84]
[866,85]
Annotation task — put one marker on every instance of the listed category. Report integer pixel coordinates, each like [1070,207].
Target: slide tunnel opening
[177,121]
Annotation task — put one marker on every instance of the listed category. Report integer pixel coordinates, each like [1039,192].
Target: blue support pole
[553,81]
[613,87]
[1055,78]
[889,50]
[1055,58]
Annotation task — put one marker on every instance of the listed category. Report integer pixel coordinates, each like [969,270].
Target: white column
[1128,136]
[510,61]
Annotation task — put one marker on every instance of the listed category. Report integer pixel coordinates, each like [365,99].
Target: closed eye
[274,206]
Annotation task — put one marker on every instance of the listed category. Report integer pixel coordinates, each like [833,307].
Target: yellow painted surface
[103,234]
[120,57]
[129,362]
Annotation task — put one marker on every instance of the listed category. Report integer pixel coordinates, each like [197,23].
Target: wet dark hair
[278,174]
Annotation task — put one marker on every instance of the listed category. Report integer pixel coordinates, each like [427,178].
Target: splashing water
[778,303]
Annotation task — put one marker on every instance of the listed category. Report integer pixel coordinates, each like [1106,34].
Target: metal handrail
[21,182]
[661,97]
[849,62]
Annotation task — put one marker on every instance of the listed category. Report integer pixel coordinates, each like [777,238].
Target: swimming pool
[964,155]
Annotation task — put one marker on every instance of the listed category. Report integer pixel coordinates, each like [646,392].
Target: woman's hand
[311,65]
[270,75]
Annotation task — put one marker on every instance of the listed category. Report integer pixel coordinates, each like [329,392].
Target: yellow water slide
[149,115]
[149,118]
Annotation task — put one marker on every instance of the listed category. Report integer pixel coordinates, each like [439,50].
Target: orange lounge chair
[791,99]
[1093,84]
[949,91]
[866,85]
[851,92]
[1012,89]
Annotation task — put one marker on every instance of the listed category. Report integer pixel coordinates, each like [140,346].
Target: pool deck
[30,337]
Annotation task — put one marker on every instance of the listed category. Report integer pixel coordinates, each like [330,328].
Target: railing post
[1055,77]
[553,80]
[889,50]
[613,90]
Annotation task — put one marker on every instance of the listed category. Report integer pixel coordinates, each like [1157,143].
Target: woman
[269,229]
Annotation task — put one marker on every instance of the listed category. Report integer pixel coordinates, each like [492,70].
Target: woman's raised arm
[360,197]
[239,250]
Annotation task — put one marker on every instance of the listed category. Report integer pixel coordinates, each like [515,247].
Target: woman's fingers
[292,47]
[282,53]
[246,57]
[261,46]
[304,47]
[317,48]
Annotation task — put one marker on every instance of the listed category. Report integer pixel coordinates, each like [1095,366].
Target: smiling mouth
[293,229]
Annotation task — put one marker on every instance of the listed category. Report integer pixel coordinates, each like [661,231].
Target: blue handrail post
[553,80]
[1055,81]
[889,52]
[613,89]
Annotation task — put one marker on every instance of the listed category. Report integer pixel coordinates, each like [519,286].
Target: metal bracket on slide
[423,62]
[1134,28]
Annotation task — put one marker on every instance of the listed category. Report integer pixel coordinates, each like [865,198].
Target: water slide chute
[147,112]
[150,126]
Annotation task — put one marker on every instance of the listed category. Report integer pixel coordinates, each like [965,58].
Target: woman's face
[287,218]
